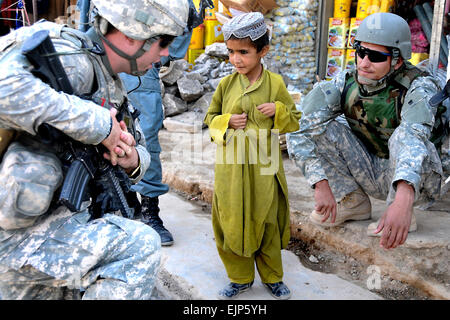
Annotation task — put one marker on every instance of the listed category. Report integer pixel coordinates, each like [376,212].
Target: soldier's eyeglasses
[165,40]
[373,55]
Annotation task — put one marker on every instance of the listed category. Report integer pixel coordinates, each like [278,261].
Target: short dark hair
[259,43]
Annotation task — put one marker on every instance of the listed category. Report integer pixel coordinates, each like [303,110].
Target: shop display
[335,62]
[387,6]
[213,32]
[375,6]
[342,8]
[263,6]
[350,59]
[338,29]
[198,37]
[193,54]
[209,32]
[293,42]
[354,24]
[363,8]
[210,14]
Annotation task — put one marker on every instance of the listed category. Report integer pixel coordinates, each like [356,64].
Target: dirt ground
[351,270]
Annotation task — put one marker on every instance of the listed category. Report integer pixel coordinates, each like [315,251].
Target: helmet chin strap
[132,59]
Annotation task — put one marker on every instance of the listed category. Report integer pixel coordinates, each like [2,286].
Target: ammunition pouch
[29,178]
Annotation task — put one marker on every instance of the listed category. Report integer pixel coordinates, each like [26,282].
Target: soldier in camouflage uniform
[47,251]
[385,148]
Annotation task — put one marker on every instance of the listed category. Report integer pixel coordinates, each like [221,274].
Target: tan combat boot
[354,206]
[373,226]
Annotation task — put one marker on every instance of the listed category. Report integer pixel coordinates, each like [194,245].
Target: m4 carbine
[88,173]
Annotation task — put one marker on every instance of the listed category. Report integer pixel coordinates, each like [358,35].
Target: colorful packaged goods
[363,8]
[193,54]
[210,14]
[387,5]
[338,32]
[197,38]
[335,62]
[213,32]
[417,57]
[342,8]
[354,24]
[375,6]
[350,59]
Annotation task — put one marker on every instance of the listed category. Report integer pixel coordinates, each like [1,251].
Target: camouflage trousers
[349,166]
[107,258]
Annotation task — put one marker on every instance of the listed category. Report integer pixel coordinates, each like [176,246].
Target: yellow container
[362,9]
[196,3]
[335,62]
[375,6]
[342,8]
[338,32]
[354,24]
[194,54]
[387,5]
[418,57]
[210,14]
[350,59]
[226,11]
[213,32]
[198,38]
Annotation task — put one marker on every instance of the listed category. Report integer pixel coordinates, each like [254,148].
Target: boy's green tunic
[245,182]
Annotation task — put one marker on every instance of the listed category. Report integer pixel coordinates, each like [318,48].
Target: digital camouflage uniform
[47,251]
[374,153]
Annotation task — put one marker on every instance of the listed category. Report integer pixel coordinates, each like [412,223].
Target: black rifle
[440,97]
[87,172]
[441,124]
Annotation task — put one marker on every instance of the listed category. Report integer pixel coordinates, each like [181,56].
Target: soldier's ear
[399,63]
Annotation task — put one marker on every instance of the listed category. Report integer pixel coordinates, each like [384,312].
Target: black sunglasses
[373,55]
[165,40]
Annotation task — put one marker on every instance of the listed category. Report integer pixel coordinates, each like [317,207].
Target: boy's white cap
[249,24]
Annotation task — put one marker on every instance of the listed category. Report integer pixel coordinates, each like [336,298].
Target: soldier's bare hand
[325,202]
[396,220]
[127,156]
[113,139]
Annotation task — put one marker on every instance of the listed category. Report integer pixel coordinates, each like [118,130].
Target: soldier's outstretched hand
[396,220]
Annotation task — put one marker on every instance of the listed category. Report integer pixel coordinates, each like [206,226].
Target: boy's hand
[267,108]
[238,121]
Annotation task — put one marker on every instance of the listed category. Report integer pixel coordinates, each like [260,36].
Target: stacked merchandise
[419,42]
[209,32]
[342,31]
[292,52]
[338,31]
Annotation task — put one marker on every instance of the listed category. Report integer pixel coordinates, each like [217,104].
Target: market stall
[340,19]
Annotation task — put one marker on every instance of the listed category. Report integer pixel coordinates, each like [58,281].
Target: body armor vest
[373,118]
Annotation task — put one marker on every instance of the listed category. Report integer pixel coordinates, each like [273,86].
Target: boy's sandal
[232,290]
[279,290]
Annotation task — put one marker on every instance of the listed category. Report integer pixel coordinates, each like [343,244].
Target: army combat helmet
[386,29]
[140,20]
[389,30]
